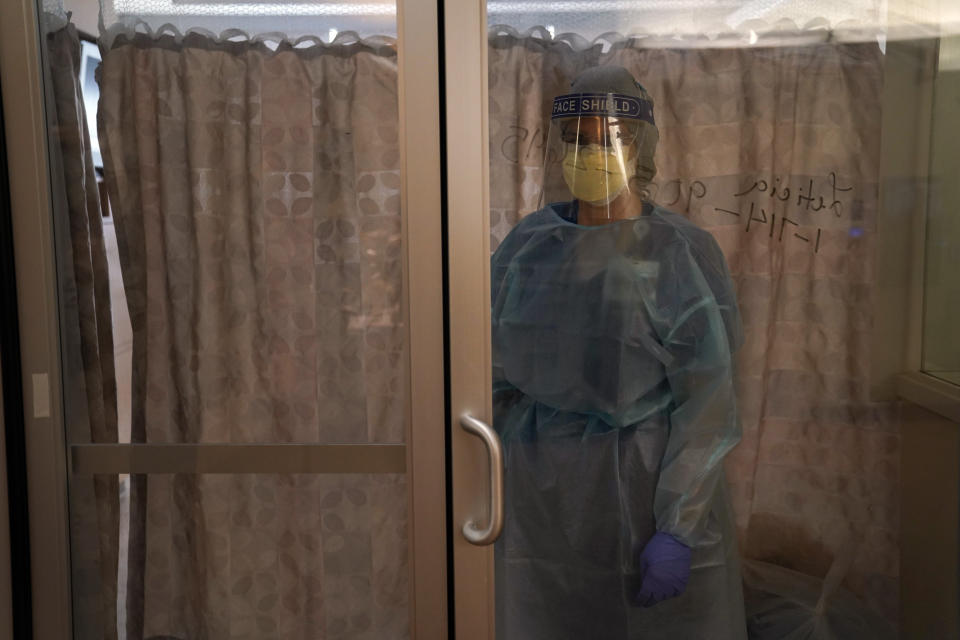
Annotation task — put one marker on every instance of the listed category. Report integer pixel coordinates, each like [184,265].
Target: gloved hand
[664,570]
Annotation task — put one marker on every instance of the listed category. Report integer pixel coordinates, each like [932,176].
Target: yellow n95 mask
[596,174]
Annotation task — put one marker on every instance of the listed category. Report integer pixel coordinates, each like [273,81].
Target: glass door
[665,340]
[228,298]
[686,248]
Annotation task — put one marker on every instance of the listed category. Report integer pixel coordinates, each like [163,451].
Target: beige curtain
[256,196]
[90,390]
[776,152]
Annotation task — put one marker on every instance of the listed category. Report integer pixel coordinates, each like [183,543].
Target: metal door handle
[471,530]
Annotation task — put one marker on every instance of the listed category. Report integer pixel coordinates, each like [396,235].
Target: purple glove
[664,570]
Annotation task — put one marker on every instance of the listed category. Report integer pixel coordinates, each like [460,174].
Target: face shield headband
[606,105]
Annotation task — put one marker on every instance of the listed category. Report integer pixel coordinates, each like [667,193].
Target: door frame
[37,312]
[11,425]
[47,455]
[468,237]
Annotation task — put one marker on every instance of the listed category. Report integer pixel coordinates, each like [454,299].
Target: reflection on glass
[941,344]
[229,264]
[769,153]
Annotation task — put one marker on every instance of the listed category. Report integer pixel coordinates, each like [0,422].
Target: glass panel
[229,265]
[252,234]
[682,314]
[941,348]
[244,556]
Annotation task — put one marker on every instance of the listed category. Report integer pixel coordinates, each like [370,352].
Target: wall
[930,525]
[908,82]
[85,14]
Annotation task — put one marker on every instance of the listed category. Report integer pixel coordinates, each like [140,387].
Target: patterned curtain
[90,391]
[256,196]
[776,152]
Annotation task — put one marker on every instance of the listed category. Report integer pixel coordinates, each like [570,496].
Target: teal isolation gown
[614,399]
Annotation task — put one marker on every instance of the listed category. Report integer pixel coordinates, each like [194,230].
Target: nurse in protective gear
[614,328]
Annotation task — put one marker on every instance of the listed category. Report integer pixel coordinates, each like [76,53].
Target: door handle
[471,529]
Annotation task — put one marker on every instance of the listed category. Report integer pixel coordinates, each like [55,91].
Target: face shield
[595,147]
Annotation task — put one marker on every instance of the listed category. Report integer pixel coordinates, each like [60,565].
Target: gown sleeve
[499,268]
[700,329]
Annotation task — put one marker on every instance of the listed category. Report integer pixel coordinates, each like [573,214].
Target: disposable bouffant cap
[608,79]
